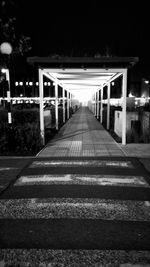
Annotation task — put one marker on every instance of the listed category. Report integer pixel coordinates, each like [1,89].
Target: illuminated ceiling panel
[79,79]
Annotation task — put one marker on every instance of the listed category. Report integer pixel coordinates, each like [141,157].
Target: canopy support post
[67,105]
[64,119]
[108,106]
[124,105]
[41,106]
[102,105]
[56,104]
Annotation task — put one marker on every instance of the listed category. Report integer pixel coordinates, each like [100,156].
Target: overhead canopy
[77,73]
[90,62]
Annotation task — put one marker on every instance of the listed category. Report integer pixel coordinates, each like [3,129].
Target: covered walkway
[82,136]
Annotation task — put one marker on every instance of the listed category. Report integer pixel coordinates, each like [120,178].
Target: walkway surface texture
[81,202]
[83,136]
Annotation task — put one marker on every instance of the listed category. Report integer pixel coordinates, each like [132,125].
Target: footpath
[84,200]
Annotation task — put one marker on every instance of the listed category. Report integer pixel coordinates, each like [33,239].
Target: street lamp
[6,48]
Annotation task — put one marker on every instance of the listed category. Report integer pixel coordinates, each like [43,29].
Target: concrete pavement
[81,202]
[84,136]
[81,136]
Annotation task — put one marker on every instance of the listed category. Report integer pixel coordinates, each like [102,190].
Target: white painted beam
[64,116]
[113,78]
[49,76]
[41,106]
[124,98]
[95,110]
[108,106]
[98,104]
[68,105]
[56,105]
[101,119]
[8,97]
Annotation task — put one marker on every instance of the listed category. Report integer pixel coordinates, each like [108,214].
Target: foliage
[25,116]
[23,136]
[21,139]
[20,116]
[9,32]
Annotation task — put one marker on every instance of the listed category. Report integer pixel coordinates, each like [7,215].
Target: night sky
[56,27]
[79,30]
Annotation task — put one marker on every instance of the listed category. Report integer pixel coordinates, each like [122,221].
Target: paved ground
[81,202]
[10,169]
[83,136]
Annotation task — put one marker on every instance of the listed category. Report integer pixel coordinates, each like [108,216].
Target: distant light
[21,95]
[37,83]
[45,83]
[112,83]
[146,81]
[21,83]
[49,83]
[130,95]
[27,83]
[16,83]
[30,83]
[3,70]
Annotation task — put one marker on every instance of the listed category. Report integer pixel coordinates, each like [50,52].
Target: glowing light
[130,95]
[27,83]
[45,83]
[49,83]
[16,83]
[3,70]
[6,48]
[37,83]
[83,95]
[146,81]
[21,83]
[112,83]
[30,83]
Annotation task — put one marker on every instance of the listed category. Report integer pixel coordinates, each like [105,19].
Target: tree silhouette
[9,31]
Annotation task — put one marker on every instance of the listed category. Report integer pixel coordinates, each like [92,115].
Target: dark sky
[56,27]
[71,29]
